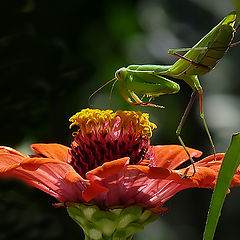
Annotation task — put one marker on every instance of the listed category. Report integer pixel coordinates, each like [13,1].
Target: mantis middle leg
[179,128]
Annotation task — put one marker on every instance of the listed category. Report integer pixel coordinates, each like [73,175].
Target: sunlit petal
[52,150]
[172,156]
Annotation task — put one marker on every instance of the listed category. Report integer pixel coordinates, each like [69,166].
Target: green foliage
[229,166]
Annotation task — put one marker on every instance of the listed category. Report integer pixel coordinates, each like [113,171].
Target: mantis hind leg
[200,94]
[174,53]
[189,106]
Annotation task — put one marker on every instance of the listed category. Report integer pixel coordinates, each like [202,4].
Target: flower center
[104,136]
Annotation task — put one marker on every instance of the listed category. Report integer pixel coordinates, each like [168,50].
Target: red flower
[111,164]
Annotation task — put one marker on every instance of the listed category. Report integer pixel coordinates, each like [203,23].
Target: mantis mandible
[138,82]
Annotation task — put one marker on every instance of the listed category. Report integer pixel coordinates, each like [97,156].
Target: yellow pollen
[88,119]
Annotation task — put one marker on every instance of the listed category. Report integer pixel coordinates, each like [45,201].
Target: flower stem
[113,224]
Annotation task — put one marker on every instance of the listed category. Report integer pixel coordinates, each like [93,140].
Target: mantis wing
[236,4]
[208,51]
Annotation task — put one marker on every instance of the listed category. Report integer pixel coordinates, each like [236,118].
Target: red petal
[92,189]
[171,156]
[52,150]
[46,174]
[139,187]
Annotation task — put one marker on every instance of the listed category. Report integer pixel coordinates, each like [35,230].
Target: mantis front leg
[138,101]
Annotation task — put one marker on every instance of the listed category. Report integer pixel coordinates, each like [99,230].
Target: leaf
[229,166]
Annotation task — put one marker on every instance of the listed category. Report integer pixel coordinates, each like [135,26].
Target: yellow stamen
[88,119]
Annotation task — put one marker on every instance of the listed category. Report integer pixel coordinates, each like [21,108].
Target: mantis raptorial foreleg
[138,101]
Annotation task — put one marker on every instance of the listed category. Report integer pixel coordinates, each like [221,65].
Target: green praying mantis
[146,82]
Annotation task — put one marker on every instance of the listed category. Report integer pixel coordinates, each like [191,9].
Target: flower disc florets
[103,136]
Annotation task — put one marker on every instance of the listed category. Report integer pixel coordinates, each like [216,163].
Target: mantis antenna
[104,85]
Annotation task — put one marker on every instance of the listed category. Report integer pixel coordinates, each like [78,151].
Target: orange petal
[206,172]
[171,156]
[204,177]
[152,172]
[215,165]
[73,177]
[236,179]
[9,150]
[210,160]
[92,191]
[9,162]
[108,168]
[52,150]
[33,164]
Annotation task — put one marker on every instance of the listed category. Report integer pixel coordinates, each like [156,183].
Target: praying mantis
[139,82]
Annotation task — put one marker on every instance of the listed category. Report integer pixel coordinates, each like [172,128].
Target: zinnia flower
[111,179]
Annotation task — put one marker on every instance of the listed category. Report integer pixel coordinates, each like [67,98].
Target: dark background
[54,54]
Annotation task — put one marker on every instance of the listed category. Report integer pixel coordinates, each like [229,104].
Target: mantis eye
[120,73]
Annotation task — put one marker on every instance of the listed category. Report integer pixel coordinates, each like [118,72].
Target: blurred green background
[54,54]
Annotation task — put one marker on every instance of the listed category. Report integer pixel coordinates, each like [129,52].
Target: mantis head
[121,73]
